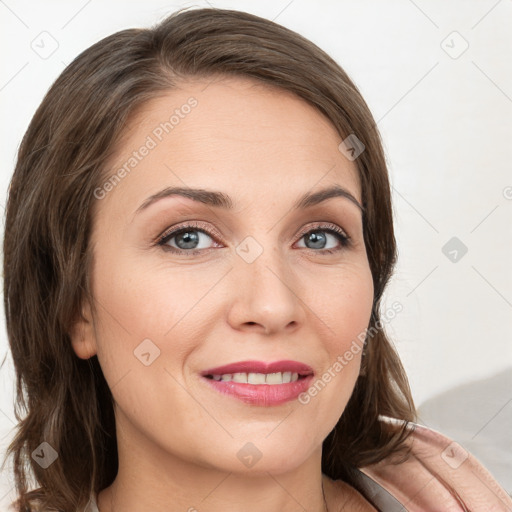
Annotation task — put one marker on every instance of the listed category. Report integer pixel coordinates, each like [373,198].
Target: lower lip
[262,394]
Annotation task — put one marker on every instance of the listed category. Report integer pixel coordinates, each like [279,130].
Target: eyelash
[162,240]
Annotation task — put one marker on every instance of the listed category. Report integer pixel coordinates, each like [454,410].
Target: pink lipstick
[260,383]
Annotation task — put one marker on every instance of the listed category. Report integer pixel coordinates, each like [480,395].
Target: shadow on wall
[478,416]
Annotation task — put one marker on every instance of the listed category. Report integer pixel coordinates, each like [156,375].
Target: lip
[263,395]
[261,367]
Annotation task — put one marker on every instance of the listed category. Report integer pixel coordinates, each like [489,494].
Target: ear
[82,333]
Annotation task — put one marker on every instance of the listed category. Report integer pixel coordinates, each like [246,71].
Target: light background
[445,114]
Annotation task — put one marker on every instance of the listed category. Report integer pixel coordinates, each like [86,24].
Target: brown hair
[64,400]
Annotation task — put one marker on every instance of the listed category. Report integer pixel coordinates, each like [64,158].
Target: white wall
[446,121]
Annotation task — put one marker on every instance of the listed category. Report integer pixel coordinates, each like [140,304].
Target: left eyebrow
[314,198]
[221,200]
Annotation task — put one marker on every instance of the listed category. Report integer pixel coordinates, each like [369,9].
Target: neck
[149,478]
[228,493]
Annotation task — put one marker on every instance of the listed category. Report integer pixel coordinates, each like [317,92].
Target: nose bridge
[264,284]
[260,256]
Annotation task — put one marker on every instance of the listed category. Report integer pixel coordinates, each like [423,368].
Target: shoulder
[438,474]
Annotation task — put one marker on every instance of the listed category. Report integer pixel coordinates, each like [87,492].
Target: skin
[177,438]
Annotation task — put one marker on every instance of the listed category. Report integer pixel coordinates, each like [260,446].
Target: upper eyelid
[187,224]
[196,225]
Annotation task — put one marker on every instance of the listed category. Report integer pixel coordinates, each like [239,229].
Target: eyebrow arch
[221,200]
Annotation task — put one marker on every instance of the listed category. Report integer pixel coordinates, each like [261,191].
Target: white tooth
[256,378]
[274,378]
[287,377]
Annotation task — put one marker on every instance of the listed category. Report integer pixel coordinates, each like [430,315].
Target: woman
[198,236]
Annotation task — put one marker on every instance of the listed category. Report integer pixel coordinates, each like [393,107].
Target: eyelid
[324,226]
[189,224]
[212,232]
[208,230]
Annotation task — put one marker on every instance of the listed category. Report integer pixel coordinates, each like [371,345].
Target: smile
[258,378]
[260,383]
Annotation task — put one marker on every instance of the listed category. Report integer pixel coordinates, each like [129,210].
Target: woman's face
[244,283]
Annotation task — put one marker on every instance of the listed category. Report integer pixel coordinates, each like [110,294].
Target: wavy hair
[64,400]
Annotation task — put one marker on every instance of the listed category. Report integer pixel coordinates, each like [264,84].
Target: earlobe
[82,334]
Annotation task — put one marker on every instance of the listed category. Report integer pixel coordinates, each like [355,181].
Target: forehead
[239,135]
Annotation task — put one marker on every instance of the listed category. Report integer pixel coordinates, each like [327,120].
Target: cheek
[141,300]
[354,312]
[132,315]
[150,315]
[346,306]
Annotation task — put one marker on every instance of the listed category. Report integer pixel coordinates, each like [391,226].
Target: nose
[265,295]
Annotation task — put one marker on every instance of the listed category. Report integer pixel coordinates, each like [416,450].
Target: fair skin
[177,437]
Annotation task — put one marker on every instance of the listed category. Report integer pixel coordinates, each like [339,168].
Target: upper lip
[261,367]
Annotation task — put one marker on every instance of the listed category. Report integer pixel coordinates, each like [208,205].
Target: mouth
[261,383]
